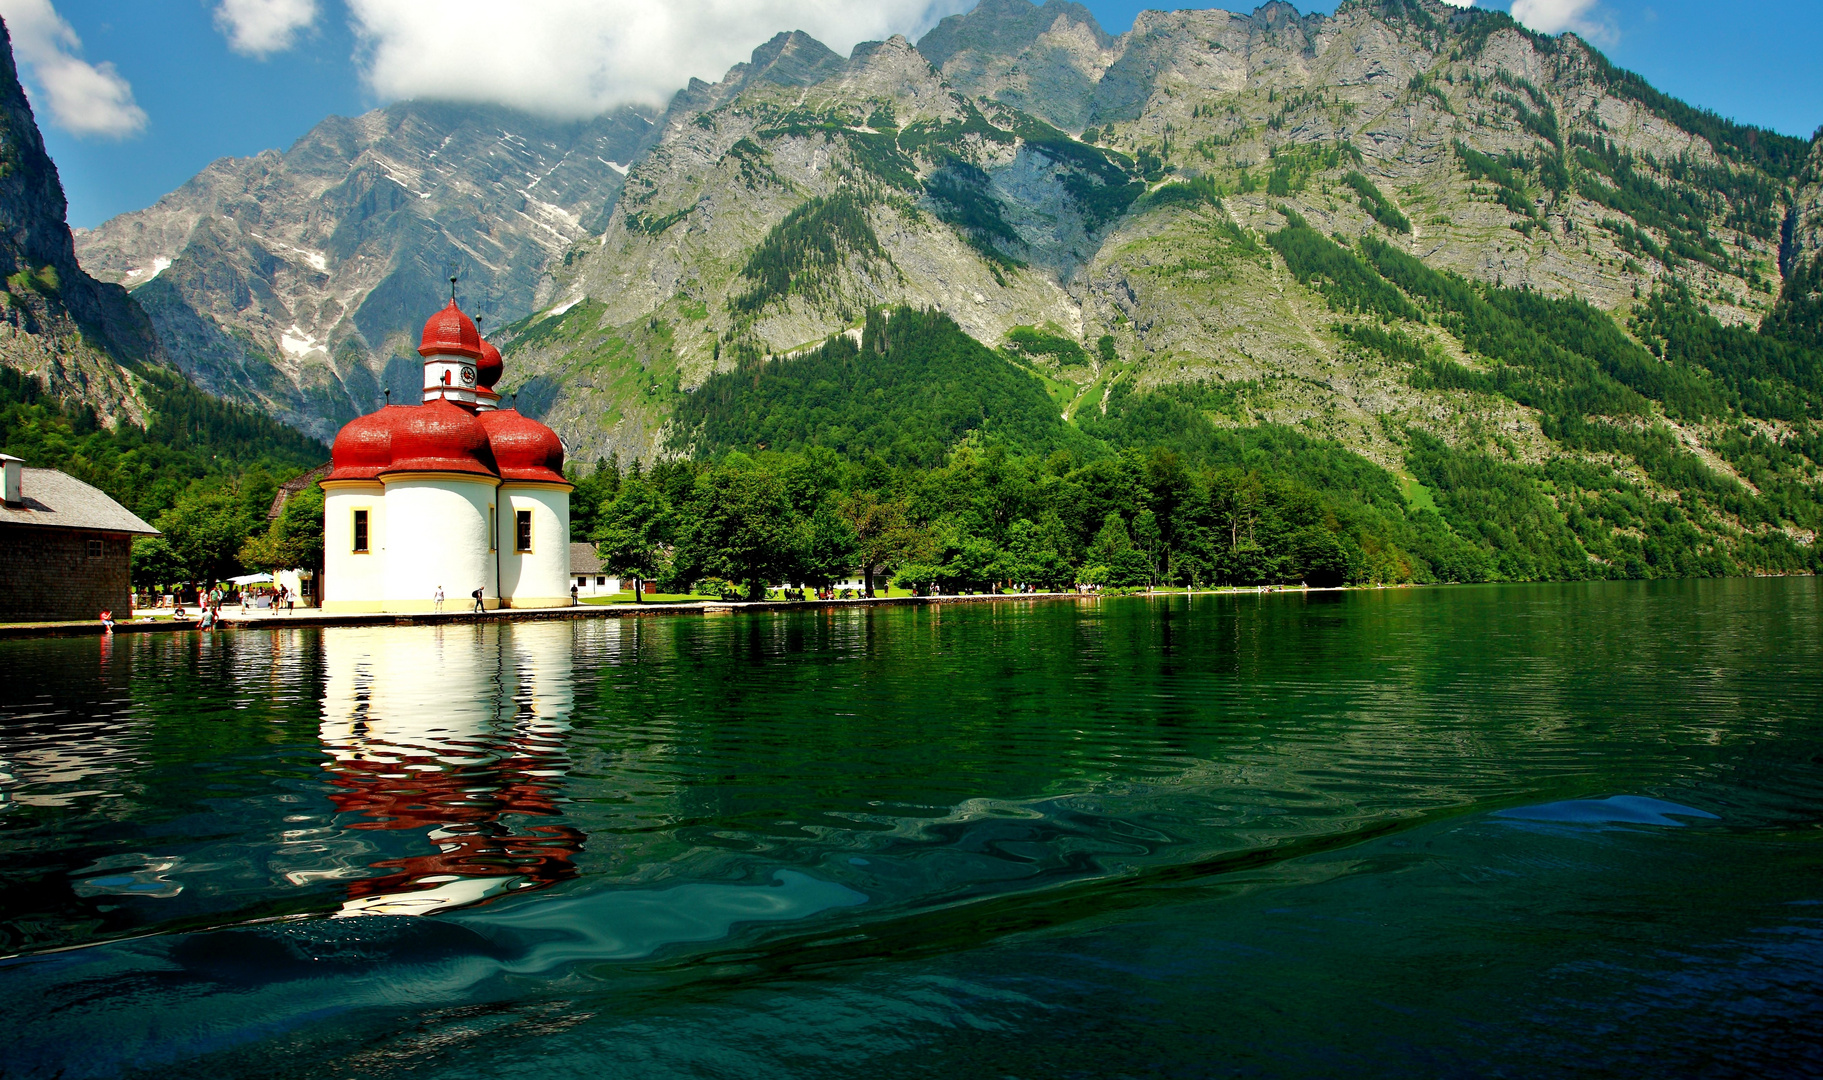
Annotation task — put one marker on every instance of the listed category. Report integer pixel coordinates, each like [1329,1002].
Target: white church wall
[540,577]
[439,538]
[449,377]
[353,580]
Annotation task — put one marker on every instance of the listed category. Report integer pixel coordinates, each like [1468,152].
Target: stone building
[64,547]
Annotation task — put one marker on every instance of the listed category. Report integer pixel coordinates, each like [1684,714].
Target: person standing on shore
[437,600]
[480,608]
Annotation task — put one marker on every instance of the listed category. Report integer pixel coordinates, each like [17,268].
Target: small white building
[587,575]
[850,579]
[452,494]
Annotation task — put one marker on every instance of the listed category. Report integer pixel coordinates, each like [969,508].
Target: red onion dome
[523,448]
[450,332]
[363,448]
[439,437]
[487,371]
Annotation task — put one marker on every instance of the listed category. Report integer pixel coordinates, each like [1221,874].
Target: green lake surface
[1548,830]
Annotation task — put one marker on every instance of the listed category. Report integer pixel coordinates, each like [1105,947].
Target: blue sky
[178,94]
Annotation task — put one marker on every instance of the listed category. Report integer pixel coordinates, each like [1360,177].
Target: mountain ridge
[288,323]
[293,279]
[1026,178]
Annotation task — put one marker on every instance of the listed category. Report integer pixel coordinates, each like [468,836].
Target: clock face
[468,376]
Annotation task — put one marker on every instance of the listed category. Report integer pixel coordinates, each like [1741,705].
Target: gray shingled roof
[59,500]
[583,560]
[294,486]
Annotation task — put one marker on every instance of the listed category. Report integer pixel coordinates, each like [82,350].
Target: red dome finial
[450,332]
[487,371]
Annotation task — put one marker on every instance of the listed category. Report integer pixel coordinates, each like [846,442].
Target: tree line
[987,519]
[202,471]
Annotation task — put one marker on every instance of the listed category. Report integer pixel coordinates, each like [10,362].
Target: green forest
[203,471]
[914,387]
[944,463]
[987,518]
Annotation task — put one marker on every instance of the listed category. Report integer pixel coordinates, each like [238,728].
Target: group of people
[480,608]
[211,614]
[209,607]
[281,595]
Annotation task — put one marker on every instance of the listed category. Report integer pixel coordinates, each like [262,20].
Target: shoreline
[311,617]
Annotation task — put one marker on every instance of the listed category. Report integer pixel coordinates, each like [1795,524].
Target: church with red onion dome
[449,495]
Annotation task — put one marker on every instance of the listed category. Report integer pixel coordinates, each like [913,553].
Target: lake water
[1491,831]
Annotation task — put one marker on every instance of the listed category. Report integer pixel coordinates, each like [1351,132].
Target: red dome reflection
[422,738]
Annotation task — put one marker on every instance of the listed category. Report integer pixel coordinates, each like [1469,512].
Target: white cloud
[1460,3]
[1556,16]
[84,98]
[581,57]
[262,27]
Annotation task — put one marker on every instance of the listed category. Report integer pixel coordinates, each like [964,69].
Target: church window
[360,530]
[523,531]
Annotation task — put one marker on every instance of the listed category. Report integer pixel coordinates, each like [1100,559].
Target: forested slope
[805,466]
[1500,308]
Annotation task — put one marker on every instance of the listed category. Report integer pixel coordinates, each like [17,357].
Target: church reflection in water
[455,733]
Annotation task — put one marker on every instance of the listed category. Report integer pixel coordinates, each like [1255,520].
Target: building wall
[437,535]
[46,573]
[353,581]
[595,584]
[300,586]
[542,577]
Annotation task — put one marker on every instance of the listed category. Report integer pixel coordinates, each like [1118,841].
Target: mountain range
[1403,226]
[297,280]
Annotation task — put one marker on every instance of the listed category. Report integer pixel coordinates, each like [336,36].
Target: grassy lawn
[650,598]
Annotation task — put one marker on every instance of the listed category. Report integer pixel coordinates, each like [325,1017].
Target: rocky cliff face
[1048,61]
[299,279]
[80,336]
[1803,235]
[1020,167]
